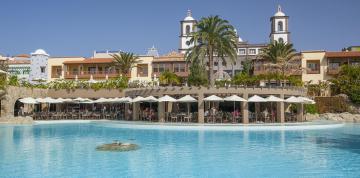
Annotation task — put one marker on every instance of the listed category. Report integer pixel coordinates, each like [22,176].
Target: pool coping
[314,125]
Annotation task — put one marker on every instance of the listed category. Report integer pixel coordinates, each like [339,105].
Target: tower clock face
[188,43]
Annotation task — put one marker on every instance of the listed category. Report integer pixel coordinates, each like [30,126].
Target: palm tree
[169,78]
[125,61]
[282,55]
[214,37]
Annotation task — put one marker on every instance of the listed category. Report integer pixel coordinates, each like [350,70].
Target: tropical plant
[282,56]
[319,89]
[248,66]
[4,65]
[245,79]
[125,61]
[169,78]
[347,82]
[13,80]
[197,76]
[214,37]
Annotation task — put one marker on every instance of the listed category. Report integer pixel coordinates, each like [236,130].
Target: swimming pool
[68,150]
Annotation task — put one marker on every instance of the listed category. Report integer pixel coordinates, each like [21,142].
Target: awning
[257,99]
[234,98]
[186,99]
[213,98]
[167,98]
[272,98]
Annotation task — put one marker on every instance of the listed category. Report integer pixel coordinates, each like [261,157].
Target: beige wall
[58,61]
[144,60]
[314,55]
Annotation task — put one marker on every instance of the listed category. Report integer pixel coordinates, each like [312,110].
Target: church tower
[280,27]
[187,27]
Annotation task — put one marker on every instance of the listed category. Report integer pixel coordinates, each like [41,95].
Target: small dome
[39,52]
[240,39]
[279,13]
[189,16]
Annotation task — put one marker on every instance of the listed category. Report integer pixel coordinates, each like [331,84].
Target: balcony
[259,70]
[95,75]
[55,75]
[312,71]
[333,70]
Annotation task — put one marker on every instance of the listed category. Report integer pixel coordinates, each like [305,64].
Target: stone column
[280,110]
[201,118]
[161,111]
[257,110]
[245,109]
[126,115]
[136,109]
[300,111]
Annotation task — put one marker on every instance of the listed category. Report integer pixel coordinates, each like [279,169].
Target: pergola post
[300,111]
[201,118]
[136,108]
[161,111]
[245,109]
[126,115]
[280,110]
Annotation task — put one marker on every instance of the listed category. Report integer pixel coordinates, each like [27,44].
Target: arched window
[280,26]
[281,40]
[187,29]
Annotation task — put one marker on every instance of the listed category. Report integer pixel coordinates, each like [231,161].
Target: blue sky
[78,27]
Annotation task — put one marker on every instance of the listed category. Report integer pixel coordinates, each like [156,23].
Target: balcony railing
[258,70]
[333,70]
[180,74]
[313,71]
[88,74]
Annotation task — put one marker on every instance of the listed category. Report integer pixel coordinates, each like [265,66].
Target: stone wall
[14,93]
[334,104]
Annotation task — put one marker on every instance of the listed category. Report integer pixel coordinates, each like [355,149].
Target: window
[313,67]
[42,69]
[56,71]
[161,67]
[242,51]
[281,40]
[142,70]
[91,70]
[252,51]
[75,71]
[334,65]
[215,63]
[179,67]
[187,28]
[280,26]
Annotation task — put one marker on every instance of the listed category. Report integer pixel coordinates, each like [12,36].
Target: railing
[333,70]
[311,71]
[88,74]
[180,74]
[55,75]
[264,70]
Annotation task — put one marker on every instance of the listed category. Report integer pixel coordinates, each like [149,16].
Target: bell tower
[280,27]
[187,26]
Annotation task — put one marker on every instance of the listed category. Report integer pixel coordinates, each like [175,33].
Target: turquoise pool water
[68,150]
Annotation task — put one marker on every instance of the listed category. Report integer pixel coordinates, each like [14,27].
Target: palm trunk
[211,67]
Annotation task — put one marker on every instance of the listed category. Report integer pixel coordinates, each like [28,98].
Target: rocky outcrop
[341,117]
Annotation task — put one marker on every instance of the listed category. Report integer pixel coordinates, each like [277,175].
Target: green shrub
[311,108]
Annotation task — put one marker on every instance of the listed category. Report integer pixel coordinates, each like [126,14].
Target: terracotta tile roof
[23,55]
[91,61]
[342,54]
[170,57]
[24,61]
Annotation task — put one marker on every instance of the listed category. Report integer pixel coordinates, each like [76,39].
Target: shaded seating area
[225,108]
